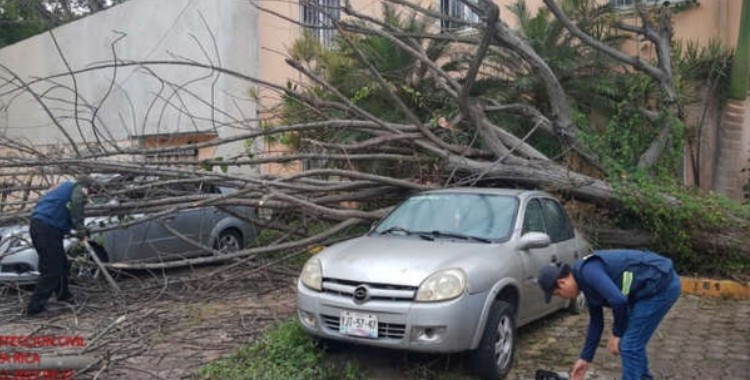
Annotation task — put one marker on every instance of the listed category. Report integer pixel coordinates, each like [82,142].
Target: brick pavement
[701,339]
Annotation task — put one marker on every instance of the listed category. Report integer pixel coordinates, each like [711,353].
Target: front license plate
[357,324]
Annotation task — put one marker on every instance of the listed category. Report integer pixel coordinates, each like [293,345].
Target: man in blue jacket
[640,287]
[56,213]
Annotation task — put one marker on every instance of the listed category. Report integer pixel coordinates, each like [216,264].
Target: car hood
[404,260]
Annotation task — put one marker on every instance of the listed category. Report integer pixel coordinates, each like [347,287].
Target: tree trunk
[730,149]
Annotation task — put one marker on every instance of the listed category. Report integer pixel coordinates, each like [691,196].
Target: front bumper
[24,278]
[438,327]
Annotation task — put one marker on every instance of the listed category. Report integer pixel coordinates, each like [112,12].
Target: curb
[715,288]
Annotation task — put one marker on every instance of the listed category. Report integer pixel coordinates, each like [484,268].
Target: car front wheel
[493,358]
[228,241]
[84,267]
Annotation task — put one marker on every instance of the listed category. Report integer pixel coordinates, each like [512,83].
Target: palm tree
[731,152]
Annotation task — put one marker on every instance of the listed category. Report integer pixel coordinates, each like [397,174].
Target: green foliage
[741,63]
[591,80]
[19,20]
[627,133]
[701,64]
[348,67]
[677,219]
[585,73]
[654,200]
[284,352]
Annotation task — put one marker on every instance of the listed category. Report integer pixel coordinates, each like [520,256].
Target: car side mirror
[532,240]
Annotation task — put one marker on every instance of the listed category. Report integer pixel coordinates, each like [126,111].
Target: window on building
[318,17]
[459,10]
[631,3]
[181,142]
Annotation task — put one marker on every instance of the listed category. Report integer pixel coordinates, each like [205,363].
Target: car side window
[533,220]
[558,226]
[209,188]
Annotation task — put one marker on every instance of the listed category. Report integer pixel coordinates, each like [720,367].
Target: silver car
[152,240]
[446,271]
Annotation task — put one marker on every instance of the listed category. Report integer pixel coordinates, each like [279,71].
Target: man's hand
[81,234]
[579,370]
[613,345]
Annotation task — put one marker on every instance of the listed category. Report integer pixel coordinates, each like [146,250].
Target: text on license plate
[358,324]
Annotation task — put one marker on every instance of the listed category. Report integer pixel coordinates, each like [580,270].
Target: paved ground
[701,338]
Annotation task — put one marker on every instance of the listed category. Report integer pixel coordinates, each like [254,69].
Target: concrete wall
[141,100]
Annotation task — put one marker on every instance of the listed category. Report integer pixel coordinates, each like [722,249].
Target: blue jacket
[61,207]
[618,279]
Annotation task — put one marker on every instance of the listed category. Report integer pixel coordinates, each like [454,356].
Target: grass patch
[284,352]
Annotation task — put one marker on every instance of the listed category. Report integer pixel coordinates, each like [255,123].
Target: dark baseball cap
[548,277]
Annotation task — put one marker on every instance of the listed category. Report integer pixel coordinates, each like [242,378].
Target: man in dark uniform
[56,213]
[639,286]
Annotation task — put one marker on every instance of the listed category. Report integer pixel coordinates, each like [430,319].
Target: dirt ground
[159,327]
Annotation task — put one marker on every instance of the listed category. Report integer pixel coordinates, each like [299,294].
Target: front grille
[16,268]
[385,330]
[378,291]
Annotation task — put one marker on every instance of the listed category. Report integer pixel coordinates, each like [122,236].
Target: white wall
[138,102]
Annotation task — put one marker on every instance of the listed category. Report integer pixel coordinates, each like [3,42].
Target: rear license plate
[357,324]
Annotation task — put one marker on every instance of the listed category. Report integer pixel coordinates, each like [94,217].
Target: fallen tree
[399,107]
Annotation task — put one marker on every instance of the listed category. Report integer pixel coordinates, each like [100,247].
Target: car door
[187,223]
[533,260]
[561,231]
[152,240]
[178,235]
[128,243]
[166,237]
[562,237]
[211,216]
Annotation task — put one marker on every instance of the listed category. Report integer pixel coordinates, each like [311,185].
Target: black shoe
[68,299]
[34,311]
[68,295]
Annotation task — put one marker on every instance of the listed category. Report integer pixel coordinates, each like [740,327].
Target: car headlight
[443,285]
[312,274]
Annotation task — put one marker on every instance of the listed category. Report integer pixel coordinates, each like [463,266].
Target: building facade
[124,94]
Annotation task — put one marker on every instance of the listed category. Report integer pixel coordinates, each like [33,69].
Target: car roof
[520,193]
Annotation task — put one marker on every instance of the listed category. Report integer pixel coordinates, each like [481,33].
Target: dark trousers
[645,317]
[53,265]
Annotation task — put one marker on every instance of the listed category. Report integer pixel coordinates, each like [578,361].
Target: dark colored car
[198,231]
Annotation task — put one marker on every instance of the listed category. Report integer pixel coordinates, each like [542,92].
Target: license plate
[357,324]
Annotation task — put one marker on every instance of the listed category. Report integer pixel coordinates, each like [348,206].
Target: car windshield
[473,216]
